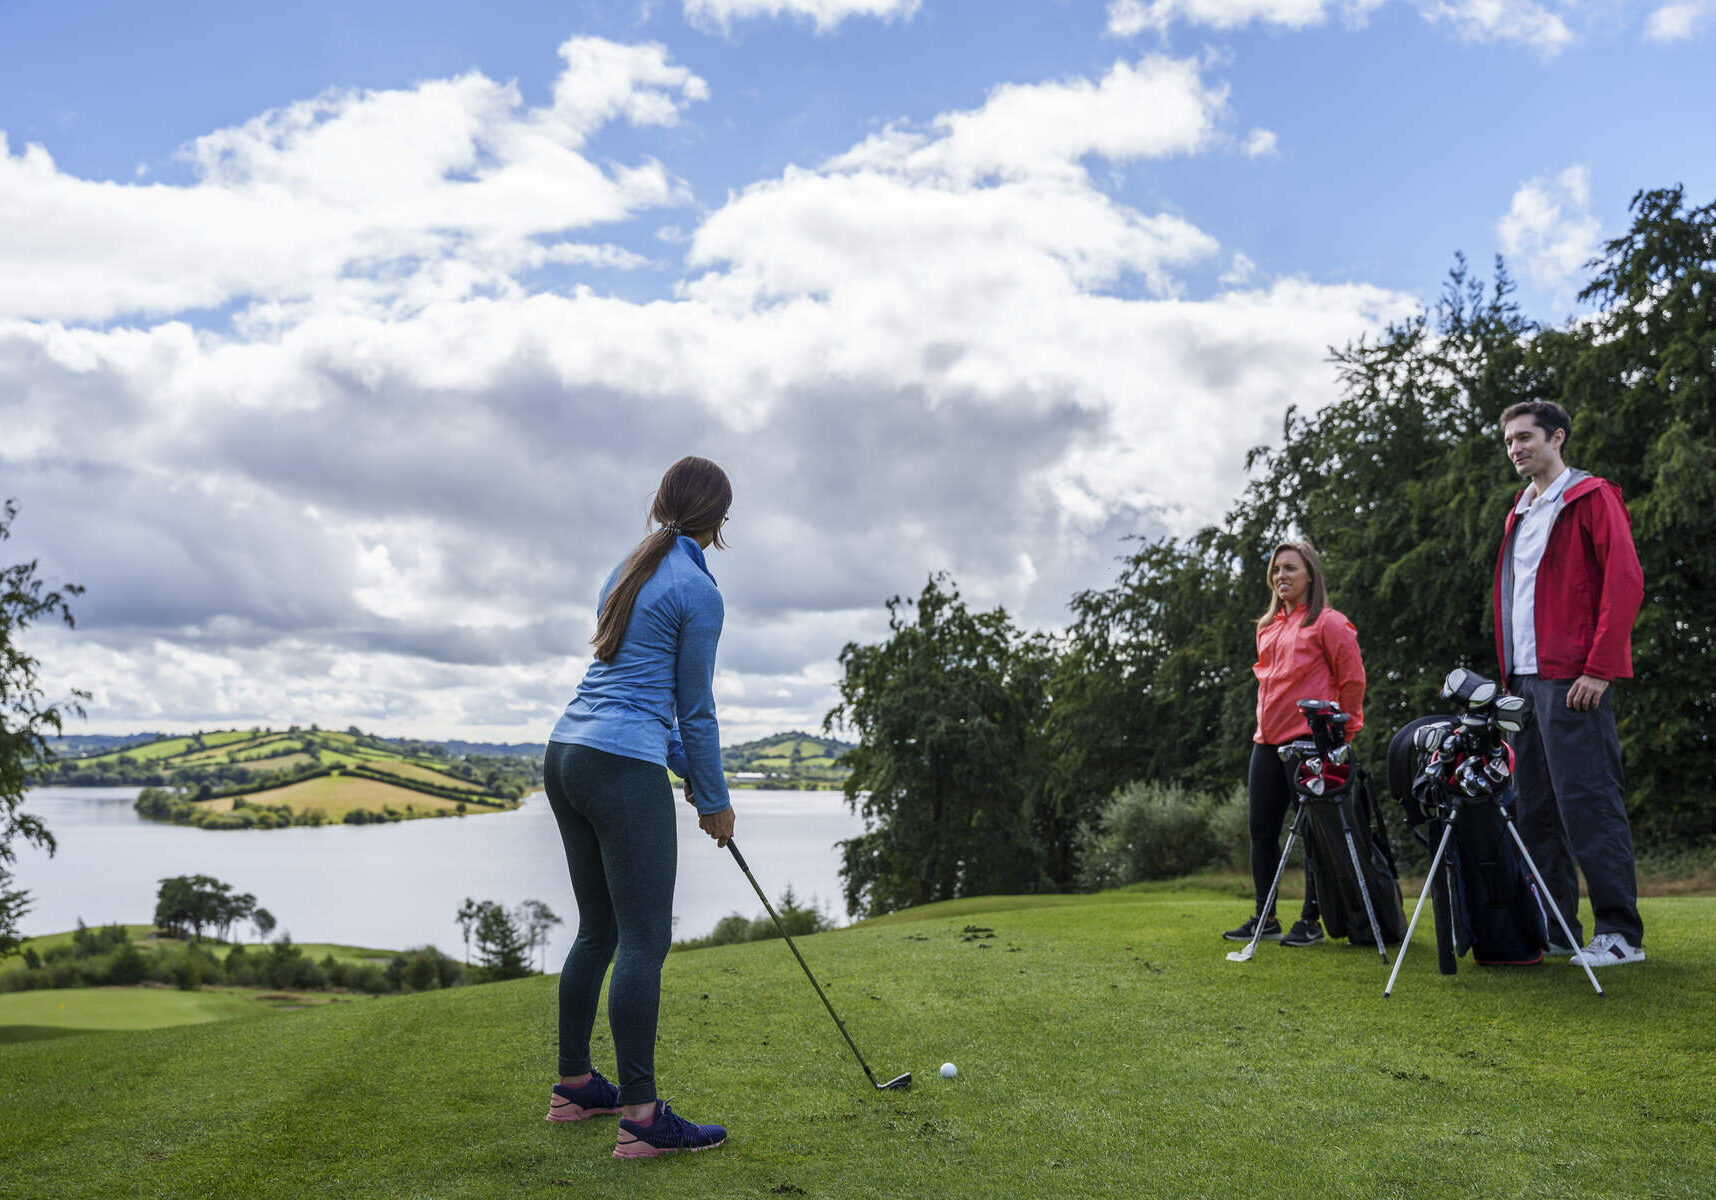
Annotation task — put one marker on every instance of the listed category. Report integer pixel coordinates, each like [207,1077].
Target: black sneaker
[1271,931]
[1303,933]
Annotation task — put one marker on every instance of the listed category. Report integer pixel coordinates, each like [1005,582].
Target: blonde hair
[1316,593]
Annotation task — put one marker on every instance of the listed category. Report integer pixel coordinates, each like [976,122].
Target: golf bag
[1483,900]
[1329,818]
[1352,862]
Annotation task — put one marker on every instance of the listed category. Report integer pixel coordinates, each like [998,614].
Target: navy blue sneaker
[596,1098]
[667,1133]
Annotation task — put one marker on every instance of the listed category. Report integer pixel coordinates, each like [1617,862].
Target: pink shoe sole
[561,1110]
[638,1148]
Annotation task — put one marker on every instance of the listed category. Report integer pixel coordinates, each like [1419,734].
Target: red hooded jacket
[1589,586]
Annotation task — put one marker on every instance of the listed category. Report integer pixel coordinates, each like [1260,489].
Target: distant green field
[123,1008]
[143,936]
[150,751]
[407,770]
[336,795]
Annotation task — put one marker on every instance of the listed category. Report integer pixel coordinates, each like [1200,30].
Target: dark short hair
[1548,415]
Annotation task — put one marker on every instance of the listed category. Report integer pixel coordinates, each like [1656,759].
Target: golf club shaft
[1572,942]
[1275,885]
[1418,909]
[745,867]
[1364,890]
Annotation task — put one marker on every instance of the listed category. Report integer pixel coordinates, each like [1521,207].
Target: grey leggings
[616,823]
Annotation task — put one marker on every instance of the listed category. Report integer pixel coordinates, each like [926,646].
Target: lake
[400,885]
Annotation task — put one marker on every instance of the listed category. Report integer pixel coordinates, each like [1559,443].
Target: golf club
[1263,917]
[899,1082]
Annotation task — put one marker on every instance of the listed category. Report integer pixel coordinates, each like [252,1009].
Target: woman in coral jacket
[1305,650]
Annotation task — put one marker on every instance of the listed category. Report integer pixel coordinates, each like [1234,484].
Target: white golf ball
[948,1070]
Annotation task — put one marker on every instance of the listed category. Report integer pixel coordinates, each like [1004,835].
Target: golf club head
[1241,955]
[898,1083]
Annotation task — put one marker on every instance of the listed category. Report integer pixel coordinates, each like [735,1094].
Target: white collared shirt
[1530,536]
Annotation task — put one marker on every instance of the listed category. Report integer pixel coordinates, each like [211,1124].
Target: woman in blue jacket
[644,707]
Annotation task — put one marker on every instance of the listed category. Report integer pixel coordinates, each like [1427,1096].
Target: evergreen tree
[501,946]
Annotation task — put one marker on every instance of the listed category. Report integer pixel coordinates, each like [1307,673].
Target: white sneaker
[1607,949]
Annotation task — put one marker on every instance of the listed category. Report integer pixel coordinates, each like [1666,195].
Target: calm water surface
[400,885]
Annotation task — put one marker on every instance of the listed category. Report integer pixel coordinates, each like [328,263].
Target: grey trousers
[1568,783]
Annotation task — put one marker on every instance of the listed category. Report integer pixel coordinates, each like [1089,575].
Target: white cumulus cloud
[1542,27]
[920,354]
[825,15]
[1677,22]
[1126,18]
[1521,21]
[346,197]
[1549,229]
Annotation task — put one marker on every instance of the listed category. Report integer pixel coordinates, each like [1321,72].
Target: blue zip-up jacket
[654,700]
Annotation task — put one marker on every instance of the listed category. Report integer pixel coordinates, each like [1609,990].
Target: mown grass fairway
[1105,1046]
[26,1016]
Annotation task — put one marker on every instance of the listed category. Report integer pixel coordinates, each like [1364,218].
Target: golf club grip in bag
[1332,819]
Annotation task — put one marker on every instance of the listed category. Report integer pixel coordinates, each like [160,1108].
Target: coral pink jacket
[1295,662]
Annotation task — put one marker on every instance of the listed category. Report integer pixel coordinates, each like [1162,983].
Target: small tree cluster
[186,905]
[505,940]
[797,919]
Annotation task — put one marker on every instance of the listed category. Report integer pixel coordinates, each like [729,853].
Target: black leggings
[1271,794]
[616,823]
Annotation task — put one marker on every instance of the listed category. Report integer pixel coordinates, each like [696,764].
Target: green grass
[147,752]
[32,1014]
[1106,1049]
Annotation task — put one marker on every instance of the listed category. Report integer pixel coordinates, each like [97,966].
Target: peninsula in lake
[268,779]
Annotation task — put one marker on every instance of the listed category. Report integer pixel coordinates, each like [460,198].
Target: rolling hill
[265,778]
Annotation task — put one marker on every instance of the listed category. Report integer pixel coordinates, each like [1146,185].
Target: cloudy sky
[341,346]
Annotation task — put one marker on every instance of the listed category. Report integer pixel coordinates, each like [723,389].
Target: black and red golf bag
[1352,861]
[1483,898]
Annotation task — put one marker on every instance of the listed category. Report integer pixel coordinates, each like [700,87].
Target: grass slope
[1106,1049]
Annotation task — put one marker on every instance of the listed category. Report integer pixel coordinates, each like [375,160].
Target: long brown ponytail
[693,498]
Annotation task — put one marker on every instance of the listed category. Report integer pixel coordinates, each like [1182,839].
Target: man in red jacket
[1567,588]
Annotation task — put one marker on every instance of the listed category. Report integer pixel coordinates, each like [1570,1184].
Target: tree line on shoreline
[991,759]
[188,906]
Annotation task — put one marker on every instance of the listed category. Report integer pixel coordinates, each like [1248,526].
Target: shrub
[1159,831]
[798,919]
[424,969]
[128,966]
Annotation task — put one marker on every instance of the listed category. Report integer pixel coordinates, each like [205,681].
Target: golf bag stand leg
[1550,905]
[1364,889]
[1418,909]
[1275,886]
